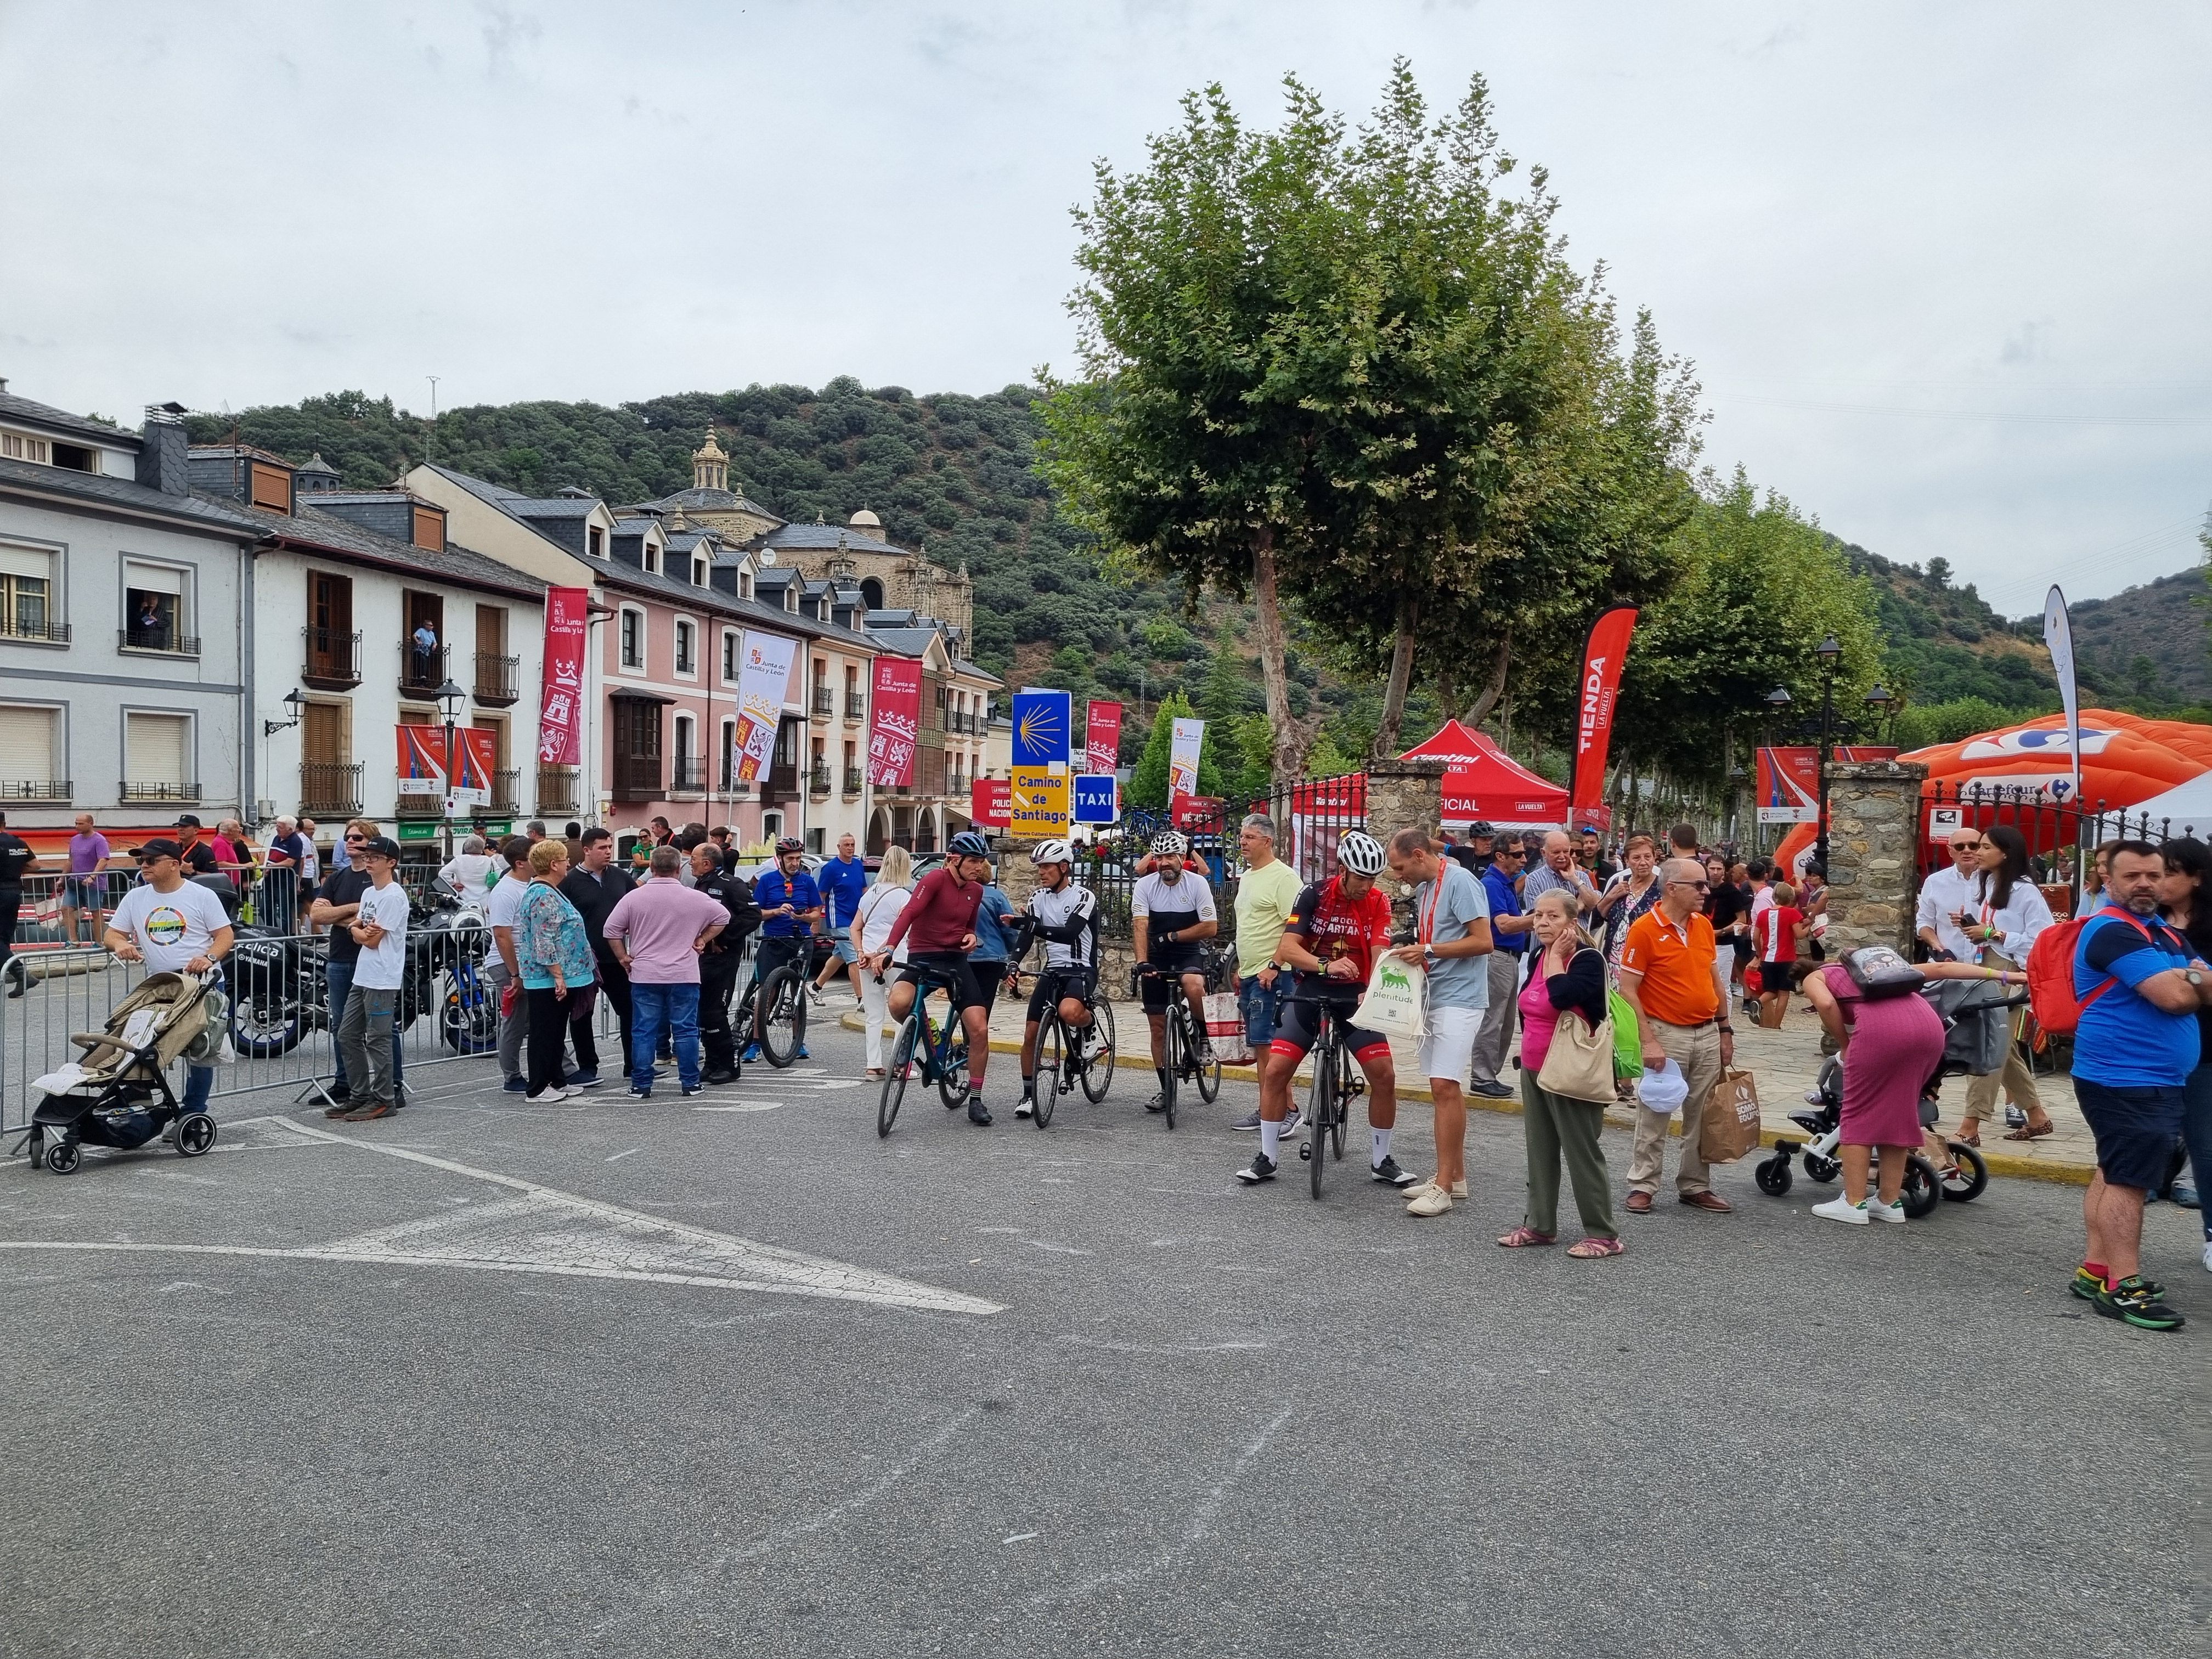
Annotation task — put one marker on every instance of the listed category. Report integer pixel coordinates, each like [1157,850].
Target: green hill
[2149,644]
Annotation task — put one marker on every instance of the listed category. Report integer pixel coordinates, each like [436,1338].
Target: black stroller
[118,1094]
[1977,1027]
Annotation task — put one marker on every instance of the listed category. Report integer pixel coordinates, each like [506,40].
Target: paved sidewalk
[1785,1063]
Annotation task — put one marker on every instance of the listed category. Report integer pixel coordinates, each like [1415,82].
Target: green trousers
[1557,1128]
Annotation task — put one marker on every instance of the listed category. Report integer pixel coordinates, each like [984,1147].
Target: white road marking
[748,1106]
[867,1494]
[1020,1538]
[542,1230]
[1057,1249]
[632,1152]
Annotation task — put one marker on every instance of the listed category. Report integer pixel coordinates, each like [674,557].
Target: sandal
[2032,1132]
[1522,1237]
[1973,1140]
[1590,1249]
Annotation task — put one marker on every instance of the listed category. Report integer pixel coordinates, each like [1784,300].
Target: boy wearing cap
[379,929]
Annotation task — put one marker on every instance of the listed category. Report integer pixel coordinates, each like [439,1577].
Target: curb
[2000,1164]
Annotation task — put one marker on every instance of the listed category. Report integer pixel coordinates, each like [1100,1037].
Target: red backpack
[2051,973]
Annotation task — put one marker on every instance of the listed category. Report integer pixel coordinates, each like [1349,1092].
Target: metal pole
[447,806]
[1827,712]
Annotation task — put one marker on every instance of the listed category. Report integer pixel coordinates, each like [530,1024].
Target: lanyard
[1425,926]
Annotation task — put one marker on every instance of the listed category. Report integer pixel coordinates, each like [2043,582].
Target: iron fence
[2062,836]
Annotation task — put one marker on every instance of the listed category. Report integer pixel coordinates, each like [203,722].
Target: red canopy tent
[1482,782]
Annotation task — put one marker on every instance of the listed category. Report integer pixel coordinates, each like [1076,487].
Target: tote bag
[1579,1064]
[1394,1003]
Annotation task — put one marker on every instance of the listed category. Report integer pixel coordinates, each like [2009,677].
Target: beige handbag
[1578,1066]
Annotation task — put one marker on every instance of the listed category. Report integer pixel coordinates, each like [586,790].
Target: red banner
[1789,784]
[991,803]
[895,721]
[1102,737]
[561,698]
[1594,699]
[422,761]
[1330,796]
[476,758]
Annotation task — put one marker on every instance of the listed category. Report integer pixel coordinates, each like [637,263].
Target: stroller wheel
[1773,1176]
[196,1132]
[62,1157]
[1972,1176]
[1821,1168]
[1923,1191]
[35,1148]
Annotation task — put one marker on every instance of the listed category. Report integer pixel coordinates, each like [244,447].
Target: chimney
[162,450]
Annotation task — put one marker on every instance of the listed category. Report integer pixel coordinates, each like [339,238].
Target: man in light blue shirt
[1451,941]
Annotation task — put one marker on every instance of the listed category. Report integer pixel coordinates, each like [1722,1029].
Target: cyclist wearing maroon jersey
[1334,932]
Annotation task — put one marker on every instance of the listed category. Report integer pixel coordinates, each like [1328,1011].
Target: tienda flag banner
[762,681]
[1595,695]
[1182,757]
[1102,737]
[561,694]
[894,721]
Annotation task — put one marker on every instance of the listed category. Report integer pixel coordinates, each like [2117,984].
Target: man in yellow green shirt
[1267,893]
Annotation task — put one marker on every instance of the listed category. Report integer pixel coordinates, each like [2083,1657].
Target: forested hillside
[2149,643]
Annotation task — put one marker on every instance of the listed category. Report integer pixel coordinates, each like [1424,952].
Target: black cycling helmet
[968,844]
[789,844]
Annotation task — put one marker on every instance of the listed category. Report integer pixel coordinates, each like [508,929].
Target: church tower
[710,467]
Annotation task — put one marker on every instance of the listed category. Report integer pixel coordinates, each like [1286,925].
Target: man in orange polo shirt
[1671,974]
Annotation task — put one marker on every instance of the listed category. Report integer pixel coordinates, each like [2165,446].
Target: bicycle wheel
[894,1090]
[1098,1067]
[781,996]
[1207,1071]
[1052,1073]
[1342,1116]
[1173,1042]
[1320,1104]
[952,1067]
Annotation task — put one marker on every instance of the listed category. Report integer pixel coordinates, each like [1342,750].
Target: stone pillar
[1404,794]
[1017,875]
[1874,836]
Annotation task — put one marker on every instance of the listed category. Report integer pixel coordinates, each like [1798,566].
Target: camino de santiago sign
[1043,727]
[1038,810]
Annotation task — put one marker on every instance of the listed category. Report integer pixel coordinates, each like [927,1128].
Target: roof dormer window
[652,560]
[791,598]
[698,573]
[597,543]
[22,446]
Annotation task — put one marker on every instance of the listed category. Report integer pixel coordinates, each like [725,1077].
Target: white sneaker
[1881,1212]
[1433,1201]
[1840,1208]
[547,1096]
[1026,1107]
[2208,1255]
[1458,1188]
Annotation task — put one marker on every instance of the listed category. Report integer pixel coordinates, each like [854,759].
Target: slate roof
[827,536]
[94,490]
[460,566]
[60,420]
[712,500]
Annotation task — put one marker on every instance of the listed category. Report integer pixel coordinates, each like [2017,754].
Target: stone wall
[1874,831]
[1404,794]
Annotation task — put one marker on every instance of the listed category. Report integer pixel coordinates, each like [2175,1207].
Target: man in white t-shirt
[173,927]
[379,929]
[502,906]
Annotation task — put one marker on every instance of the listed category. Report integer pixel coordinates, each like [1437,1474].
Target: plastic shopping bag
[1396,999]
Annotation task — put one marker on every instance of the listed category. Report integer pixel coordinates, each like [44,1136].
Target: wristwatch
[1727,1030]
[2195,975]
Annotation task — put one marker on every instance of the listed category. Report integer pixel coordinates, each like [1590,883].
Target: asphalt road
[614,1378]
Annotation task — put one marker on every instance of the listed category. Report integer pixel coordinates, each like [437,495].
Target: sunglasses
[1702,886]
[356,839]
[1965,846]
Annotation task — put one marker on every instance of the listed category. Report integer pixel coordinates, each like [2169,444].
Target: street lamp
[450,697]
[1830,653]
[295,705]
[1885,708]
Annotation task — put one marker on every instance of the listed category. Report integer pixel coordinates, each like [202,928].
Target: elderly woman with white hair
[472,870]
[878,910]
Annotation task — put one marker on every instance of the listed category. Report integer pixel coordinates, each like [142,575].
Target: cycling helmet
[1360,853]
[968,845]
[789,844]
[1169,844]
[1052,851]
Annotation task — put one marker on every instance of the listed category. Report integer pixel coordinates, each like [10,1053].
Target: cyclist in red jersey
[1334,932]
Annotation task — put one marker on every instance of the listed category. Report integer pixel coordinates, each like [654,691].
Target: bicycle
[1336,1082]
[1184,1042]
[1063,1056]
[943,1055]
[785,989]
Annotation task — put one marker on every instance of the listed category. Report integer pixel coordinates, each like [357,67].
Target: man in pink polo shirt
[657,931]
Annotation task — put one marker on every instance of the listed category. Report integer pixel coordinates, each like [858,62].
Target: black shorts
[1297,1027]
[1741,944]
[988,977]
[774,953]
[950,969]
[1777,976]
[1169,972]
[2134,1130]
[1055,985]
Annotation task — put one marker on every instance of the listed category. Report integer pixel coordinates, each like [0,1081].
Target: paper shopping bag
[1730,1127]
[1224,1021]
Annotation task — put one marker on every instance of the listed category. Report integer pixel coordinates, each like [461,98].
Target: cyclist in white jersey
[1066,916]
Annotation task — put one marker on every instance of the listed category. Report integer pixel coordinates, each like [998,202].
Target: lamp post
[1884,707]
[295,705]
[1830,653]
[450,698]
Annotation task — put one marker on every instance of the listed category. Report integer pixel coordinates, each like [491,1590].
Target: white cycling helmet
[1360,853]
[1169,844]
[1052,851]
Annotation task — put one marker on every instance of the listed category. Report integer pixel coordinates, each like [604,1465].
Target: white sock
[1271,1138]
[1382,1139]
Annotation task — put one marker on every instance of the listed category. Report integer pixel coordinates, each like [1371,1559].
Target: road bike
[940,1052]
[1188,1056]
[1071,1056]
[1336,1082]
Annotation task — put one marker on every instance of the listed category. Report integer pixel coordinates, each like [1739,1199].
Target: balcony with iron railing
[328,660]
[31,627]
[34,789]
[497,678]
[780,785]
[160,642]
[688,775]
[852,782]
[157,794]
[506,790]
[330,788]
[420,672]
[856,705]
[817,780]
[822,702]
[560,789]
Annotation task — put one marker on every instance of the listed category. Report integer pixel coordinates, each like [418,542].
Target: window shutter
[26,561]
[272,486]
[430,529]
[26,745]
[154,579]
[153,747]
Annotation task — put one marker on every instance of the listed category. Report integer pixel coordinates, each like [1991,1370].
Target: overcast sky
[1942,268]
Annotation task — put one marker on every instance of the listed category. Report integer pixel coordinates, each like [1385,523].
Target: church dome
[865,518]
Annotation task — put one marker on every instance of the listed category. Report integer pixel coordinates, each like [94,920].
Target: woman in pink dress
[1890,1046]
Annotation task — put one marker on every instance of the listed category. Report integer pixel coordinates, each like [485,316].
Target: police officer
[15,858]
[724,956]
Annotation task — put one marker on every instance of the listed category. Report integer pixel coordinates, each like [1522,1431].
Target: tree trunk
[1493,688]
[1293,737]
[1402,678]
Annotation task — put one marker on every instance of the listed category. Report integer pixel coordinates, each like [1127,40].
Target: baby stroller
[118,1094]
[1977,1025]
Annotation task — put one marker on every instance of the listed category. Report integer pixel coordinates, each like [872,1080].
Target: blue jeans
[1257,1003]
[199,1084]
[337,980]
[651,1007]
